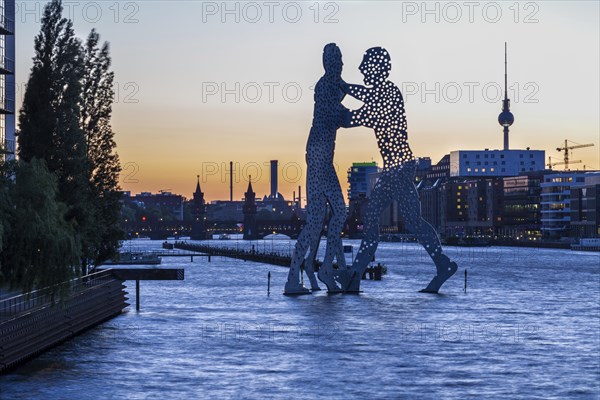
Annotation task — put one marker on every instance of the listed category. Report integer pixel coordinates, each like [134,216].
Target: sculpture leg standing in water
[322,186]
[383,110]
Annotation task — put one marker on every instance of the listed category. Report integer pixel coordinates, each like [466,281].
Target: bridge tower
[198,214]
[250,226]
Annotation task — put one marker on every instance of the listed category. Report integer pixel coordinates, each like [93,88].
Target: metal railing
[47,296]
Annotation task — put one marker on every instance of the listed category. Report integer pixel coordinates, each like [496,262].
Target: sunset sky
[172,60]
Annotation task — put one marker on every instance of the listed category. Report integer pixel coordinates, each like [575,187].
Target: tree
[50,116]
[41,248]
[96,110]
[37,118]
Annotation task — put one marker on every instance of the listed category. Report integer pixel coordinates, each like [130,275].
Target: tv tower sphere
[506,118]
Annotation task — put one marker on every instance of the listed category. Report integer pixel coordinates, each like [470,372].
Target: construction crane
[566,149]
[552,164]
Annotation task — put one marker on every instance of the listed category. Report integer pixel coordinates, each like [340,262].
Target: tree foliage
[41,248]
[96,110]
[50,115]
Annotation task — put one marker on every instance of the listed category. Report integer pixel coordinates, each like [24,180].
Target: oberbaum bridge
[289,223]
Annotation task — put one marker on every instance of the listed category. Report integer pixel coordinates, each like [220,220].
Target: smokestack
[274,179]
[230,180]
[299,197]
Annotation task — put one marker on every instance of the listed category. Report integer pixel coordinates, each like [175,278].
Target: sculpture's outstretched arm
[351,118]
[357,91]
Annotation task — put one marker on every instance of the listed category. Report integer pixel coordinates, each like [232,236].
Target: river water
[527,327]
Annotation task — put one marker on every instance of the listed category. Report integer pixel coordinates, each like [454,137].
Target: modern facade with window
[7,79]
[585,208]
[522,213]
[556,201]
[471,207]
[358,179]
[495,162]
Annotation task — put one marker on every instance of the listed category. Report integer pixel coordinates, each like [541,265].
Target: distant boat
[134,258]
[587,244]
[141,237]
[276,236]
[224,236]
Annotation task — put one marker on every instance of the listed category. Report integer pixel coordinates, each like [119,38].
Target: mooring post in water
[269,283]
[137,295]
[465,281]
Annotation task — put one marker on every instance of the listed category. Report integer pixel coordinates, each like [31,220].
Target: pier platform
[34,322]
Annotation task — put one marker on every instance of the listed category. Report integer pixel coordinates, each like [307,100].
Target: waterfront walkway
[273,258]
[240,254]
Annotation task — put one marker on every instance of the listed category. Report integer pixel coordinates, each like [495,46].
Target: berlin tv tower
[506,118]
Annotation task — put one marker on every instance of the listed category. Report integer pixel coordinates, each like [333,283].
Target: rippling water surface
[527,327]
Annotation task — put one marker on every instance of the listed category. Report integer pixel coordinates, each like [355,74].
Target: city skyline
[194,125]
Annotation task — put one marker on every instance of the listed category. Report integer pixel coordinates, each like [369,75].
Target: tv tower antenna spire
[506,118]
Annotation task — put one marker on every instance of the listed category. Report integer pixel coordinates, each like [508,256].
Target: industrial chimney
[230,180]
[273,179]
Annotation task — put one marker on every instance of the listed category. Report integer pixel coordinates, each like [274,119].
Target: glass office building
[7,79]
